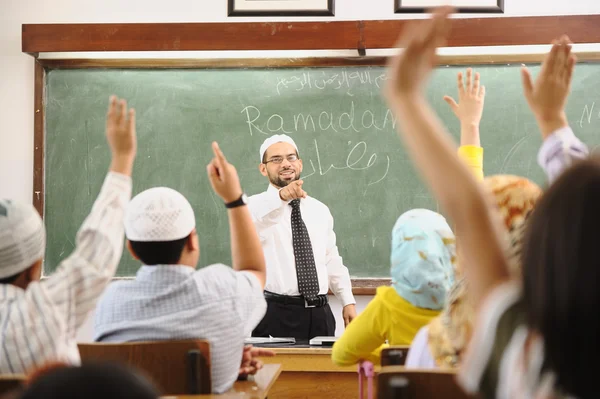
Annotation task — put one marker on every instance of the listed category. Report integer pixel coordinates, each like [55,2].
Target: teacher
[296,232]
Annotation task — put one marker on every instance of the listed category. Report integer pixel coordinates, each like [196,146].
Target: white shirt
[172,302]
[272,218]
[419,355]
[39,324]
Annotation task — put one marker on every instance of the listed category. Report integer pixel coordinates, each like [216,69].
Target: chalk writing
[588,114]
[351,119]
[354,161]
[342,80]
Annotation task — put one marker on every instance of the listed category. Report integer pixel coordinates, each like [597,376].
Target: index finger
[218,153]
[219,159]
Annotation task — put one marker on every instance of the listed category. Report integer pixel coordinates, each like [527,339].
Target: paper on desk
[269,340]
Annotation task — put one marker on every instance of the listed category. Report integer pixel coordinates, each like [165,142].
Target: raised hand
[469,109]
[223,176]
[547,96]
[121,135]
[408,71]
[292,191]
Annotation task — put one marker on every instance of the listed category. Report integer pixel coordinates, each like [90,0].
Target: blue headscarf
[422,258]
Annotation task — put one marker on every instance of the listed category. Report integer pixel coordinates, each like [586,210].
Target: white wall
[16,69]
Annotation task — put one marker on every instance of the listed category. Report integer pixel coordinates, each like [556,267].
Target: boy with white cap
[40,319]
[299,243]
[169,298]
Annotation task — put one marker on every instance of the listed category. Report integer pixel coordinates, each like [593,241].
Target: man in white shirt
[169,298]
[40,319]
[303,263]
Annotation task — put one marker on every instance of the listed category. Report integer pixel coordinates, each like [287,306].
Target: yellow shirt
[389,316]
[472,155]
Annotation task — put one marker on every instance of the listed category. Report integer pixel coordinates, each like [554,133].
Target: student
[169,298]
[90,381]
[40,319]
[443,341]
[397,313]
[422,271]
[541,339]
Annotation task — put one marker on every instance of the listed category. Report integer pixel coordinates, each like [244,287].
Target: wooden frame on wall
[279,8]
[464,6]
[373,34]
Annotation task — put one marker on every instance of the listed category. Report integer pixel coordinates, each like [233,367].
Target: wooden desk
[256,387]
[310,373]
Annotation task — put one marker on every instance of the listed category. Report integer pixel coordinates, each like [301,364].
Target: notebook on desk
[269,340]
[323,341]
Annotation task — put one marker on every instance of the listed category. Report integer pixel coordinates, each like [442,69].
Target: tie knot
[295,204]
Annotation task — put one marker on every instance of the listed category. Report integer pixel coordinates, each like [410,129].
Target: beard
[280,182]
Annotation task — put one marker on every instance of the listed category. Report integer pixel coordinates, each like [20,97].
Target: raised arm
[547,98]
[469,110]
[246,250]
[434,154]
[81,278]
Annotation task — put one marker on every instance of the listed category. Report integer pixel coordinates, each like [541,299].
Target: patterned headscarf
[422,258]
[450,332]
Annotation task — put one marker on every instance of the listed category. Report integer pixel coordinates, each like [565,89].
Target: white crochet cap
[276,138]
[22,237]
[159,214]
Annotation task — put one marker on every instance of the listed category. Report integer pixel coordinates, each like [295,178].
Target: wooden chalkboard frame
[359,35]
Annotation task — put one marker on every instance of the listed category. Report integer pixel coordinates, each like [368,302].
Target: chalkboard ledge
[368,286]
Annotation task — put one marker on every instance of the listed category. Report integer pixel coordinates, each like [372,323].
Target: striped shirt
[559,151]
[172,302]
[39,324]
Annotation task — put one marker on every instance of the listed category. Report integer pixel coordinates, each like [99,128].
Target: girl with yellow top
[423,256]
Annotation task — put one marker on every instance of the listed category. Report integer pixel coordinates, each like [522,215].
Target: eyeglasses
[277,160]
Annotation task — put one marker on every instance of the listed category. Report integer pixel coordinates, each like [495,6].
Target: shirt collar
[9,291]
[272,188]
[162,272]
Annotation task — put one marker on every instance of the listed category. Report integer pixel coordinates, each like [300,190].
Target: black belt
[316,302]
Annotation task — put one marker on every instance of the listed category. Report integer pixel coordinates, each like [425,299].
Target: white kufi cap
[22,237]
[276,138]
[159,214]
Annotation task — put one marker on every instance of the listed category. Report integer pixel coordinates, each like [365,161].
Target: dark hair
[561,273]
[91,381]
[11,279]
[159,252]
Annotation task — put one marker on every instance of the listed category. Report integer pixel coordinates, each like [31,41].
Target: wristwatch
[243,200]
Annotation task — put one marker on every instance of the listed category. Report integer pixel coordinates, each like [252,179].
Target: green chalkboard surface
[353,159]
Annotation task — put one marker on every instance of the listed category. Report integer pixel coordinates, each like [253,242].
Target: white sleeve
[338,274]
[266,209]
[419,356]
[81,278]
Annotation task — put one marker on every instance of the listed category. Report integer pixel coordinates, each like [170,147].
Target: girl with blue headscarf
[422,270]
[422,258]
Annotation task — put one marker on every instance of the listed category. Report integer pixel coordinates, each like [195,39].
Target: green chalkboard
[353,159]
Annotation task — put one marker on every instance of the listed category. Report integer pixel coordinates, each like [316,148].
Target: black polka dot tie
[306,270]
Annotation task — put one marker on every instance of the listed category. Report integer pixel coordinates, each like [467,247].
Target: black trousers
[296,321]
